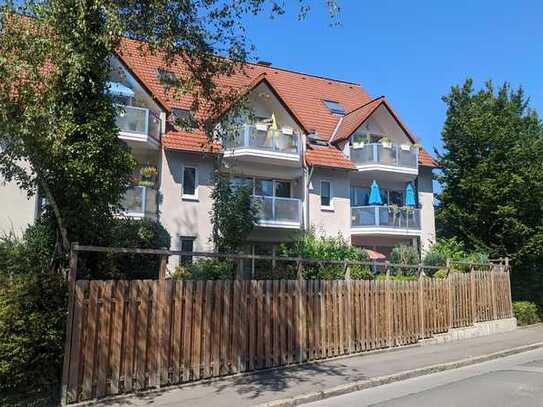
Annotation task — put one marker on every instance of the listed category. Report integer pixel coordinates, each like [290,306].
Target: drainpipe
[308,173]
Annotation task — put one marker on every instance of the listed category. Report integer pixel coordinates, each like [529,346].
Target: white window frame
[189,197]
[331,206]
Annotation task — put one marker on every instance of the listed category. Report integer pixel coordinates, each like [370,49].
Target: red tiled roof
[354,119]
[301,94]
[304,94]
[426,159]
[195,141]
[327,156]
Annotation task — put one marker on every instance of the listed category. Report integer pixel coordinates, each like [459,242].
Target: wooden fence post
[161,352]
[450,293]
[493,293]
[510,299]
[388,306]
[301,311]
[349,304]
[72,277]
[421,305]
[473,296]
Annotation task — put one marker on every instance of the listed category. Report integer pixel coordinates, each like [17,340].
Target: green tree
[57,122]
[492,179]
[233,214]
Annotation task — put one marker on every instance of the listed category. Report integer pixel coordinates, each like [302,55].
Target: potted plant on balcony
[395,210]
[386,142]
[359,141]
[148,174]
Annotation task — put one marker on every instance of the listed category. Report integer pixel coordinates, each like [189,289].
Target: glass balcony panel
[363,216]
[265,140]
[387,155]
[387,217]
[287,210]
[280,210]
[376,153]
[131,119]
[140,200]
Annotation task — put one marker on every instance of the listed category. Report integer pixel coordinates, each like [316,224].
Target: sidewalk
[266,386]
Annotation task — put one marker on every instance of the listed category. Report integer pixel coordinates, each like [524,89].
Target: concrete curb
[408,374]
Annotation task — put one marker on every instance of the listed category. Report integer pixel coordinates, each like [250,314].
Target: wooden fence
[126,336]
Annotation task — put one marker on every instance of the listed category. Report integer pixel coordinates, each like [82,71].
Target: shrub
[454,251]
[132,233]
[327,248]
[440,274]
[526,312]
[404,256]
[32,313]
[207,269]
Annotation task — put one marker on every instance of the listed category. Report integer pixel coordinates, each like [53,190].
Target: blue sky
[412,51]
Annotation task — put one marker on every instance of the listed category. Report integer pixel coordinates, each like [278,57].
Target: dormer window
[183,118]
[334,107]
[166,76]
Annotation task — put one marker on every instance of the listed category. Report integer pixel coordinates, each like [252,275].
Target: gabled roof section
[302,93]
[355,118]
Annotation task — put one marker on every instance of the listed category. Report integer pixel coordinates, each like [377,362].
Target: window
[268,187]
[166,77]
[334,107]
[282,189]
[326,194]
[183,118]
[359,196]
[190,183]
[187,245]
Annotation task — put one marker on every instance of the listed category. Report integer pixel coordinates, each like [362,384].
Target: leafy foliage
[404,256]
[327,248]
[492,180]
[32,312]
[526,312]
[233,215]
[207,269]
[453,250]
[132,233]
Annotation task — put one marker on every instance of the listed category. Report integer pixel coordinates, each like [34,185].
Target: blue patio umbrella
[410,195]
[118,89]
[375,194]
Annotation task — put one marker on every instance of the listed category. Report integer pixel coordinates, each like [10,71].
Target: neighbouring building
[318,153]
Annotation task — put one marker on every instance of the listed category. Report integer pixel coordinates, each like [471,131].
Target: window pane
[189,181]
[187,245]
[264,187]
[395,198]
[282,189]
[335,107]
[325,193]
[359,196]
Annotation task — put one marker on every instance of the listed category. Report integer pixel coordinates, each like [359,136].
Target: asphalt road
[513,381]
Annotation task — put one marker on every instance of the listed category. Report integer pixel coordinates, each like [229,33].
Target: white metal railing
[385,217]
[140,201]
[138,120]
[252,137]
[278,210]
[386,154]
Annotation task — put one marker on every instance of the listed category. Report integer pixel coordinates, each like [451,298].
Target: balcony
[138,124]
[385,157]
[264,143]
[279,212]
[140,202]
[385,220]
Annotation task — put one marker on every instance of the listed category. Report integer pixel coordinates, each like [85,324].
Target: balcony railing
[279,211]
[269,140]
[138,121]
[140,201]
[393,155]
[393,217]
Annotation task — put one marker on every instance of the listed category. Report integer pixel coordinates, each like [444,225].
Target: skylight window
[166,76]
[335,107]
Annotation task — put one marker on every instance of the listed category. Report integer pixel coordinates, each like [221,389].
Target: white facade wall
[330,222]
[17,209]
[426,201]
[180,216]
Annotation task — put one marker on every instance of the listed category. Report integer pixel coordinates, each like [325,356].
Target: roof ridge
[365,104]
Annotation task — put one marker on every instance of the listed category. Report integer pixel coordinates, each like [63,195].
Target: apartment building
[318,153]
